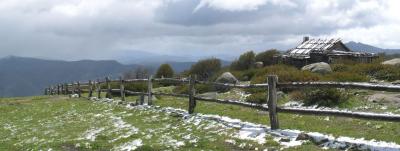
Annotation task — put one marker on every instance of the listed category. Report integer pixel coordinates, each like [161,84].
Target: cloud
[102,29]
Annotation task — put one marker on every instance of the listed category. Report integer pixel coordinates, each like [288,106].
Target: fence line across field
[272,86]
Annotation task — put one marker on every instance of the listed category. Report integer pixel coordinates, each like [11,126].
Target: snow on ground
[286,137]
[91,134]
[133,145]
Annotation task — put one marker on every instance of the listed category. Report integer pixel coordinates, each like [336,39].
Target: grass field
[61,123]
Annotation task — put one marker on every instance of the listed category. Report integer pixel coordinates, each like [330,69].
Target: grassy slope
[61,124]
[337,126]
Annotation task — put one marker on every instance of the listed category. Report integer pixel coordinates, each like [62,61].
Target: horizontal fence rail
[271,87]
[350,85]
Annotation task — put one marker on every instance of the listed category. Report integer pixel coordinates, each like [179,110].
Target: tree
[138,73]
[165,70]
[267,57]
[245,61]
[206,68]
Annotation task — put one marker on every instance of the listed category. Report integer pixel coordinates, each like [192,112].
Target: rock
[259,64]
[302,136]
[385,98]
[209,95]
[320,67]
[284,139]
[395,62]
[227,77]
[280,94]
[397,82]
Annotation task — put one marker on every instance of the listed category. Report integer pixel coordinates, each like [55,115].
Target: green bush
[200,88]
[165,70]
[245,61]
[325,97]
[259,98]
[345,77]
[205,69]
[285,73]
[267,57]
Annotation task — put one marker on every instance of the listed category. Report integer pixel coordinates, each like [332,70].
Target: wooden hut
[324,50]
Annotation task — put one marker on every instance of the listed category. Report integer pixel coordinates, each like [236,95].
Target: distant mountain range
[29,76]
[357,46]
[21,76]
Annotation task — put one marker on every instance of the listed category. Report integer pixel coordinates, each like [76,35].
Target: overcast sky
[105,29]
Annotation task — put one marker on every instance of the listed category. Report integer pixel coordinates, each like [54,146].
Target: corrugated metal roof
[313,45]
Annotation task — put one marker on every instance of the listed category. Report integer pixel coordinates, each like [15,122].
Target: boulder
[227,77]
[259,64]
[320,67]
[395,62]
[208,95]
[385,98]
[303,136]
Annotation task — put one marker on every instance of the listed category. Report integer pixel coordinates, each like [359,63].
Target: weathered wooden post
[90,90]
[58,89]
[51,90]
[149,90]
[62,88]
[192,91]
[66,89]
[272,101]
[79,89]
[122,88]
[98,86]
[73,88]
[108,94]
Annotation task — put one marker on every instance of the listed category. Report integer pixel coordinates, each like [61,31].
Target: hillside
[357,46]
[28,76]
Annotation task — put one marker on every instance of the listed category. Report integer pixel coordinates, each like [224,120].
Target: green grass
[337,126]
[60,123]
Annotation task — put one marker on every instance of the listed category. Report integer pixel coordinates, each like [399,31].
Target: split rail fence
[271,87]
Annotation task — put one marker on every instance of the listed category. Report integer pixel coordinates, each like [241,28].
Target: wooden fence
[271,87]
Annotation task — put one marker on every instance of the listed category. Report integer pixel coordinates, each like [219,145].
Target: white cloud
[99,28]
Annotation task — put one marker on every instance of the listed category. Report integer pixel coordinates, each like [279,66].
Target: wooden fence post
[62,88]
[58,89]
[98,86]
[79,89]
[141,99]
[149,91]
[108,94]
[66,89]
[192,91]
[90,89]
[272,101]
[122,88]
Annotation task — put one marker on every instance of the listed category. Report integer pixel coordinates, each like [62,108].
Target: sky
[109,29]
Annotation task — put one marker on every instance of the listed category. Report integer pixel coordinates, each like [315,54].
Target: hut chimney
[305,38]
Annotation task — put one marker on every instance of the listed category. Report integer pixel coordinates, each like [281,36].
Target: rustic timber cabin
[323,50]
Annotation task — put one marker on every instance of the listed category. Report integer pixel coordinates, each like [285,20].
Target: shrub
[259,98]
[245,61]
[325,97]
[200,88]
[297,95]
[165,70]
[285,73]
[345,77]
[267,57]
[204,69]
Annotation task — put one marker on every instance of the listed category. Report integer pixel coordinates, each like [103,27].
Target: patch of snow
[91,134]
[133,145]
